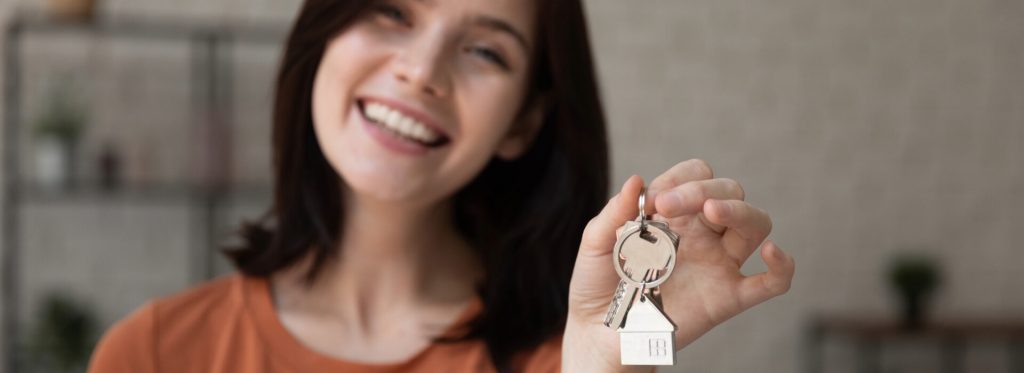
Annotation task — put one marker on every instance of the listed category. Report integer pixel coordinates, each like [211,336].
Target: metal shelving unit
[211,91]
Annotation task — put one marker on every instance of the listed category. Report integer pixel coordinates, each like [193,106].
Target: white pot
[53,163]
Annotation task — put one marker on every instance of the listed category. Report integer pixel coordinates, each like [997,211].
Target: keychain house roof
[647,338]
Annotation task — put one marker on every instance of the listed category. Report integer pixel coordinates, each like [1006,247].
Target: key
[644,255]
[621,301]
[646,258]
[624,297]
[652,247]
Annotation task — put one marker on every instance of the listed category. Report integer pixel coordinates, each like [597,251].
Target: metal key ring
[666,271]
[641,206]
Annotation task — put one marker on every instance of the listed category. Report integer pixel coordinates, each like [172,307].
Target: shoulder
[133,343]
[201,304]
[128,345]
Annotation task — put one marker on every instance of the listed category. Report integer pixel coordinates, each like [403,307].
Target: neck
[385,234]
[392,258]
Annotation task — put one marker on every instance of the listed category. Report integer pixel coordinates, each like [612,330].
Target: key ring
[641,204]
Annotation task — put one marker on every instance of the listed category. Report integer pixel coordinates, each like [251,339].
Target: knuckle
[693,192]
[783,287]
[701,168]
[734,188]
[778,286]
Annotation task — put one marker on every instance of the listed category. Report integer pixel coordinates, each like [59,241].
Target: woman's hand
[718,233]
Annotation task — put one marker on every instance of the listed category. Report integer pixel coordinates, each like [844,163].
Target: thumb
[600,234]
[593,278]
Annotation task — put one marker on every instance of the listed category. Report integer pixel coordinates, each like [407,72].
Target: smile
[401,125]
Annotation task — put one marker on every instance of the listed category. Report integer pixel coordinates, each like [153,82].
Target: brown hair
[524,217]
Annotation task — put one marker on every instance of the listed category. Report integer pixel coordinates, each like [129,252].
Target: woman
[440,167]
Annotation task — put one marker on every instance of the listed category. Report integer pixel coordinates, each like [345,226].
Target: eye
[392,13]
[490,55]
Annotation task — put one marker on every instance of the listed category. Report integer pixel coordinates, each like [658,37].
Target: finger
[689,198]
[747,226]
[763,286]
[600,233]
[593,278]
[681,173]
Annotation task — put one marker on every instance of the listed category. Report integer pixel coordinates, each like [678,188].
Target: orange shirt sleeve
[129,346]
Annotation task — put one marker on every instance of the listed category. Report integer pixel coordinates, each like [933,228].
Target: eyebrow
[502,26]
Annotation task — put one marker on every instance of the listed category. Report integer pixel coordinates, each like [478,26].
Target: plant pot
[913,311]
[72,10]
[914,279]
[54,160]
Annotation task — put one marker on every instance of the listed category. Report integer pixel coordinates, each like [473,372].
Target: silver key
[644,256]
[625,296]
[651,247]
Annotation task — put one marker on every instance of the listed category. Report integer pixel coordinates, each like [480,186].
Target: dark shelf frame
[868,335]
[212,95]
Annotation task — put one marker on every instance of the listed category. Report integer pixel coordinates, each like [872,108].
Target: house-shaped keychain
[647,337]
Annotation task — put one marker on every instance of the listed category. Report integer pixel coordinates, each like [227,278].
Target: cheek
[488,108]
[328,91]
[346,62]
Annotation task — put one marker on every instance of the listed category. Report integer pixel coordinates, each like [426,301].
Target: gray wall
[864,127]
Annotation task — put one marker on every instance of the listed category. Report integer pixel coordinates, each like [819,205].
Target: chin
[375,181]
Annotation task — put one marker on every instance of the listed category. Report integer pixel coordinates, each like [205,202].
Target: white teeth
[398,122]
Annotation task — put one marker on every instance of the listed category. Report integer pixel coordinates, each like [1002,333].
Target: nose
[421,66]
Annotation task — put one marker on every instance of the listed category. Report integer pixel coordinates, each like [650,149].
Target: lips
[402,122]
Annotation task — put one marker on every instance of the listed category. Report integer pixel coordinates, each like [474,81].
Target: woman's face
[413,99]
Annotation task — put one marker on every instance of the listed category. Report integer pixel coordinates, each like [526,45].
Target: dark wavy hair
[523,217]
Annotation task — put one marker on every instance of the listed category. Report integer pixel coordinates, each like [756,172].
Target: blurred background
[885,137]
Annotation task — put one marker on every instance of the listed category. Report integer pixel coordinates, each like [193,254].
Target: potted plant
[57,131]
[64,335]
[915,278]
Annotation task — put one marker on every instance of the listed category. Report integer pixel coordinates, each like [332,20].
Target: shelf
[211,65]
[145,194]
[146,28]
[880,327]
[950,336]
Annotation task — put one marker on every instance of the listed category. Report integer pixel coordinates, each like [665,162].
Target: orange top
[230,325]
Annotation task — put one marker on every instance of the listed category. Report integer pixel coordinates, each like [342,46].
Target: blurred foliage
[64,335]
[63,117]
[914,274]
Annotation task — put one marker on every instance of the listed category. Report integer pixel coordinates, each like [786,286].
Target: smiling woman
[438,165]
[435,165]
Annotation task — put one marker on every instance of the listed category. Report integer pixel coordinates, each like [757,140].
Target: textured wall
[864,127]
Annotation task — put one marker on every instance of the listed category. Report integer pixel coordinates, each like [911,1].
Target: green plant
[914,274]
[914,277]
[64,335]
[63,117]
